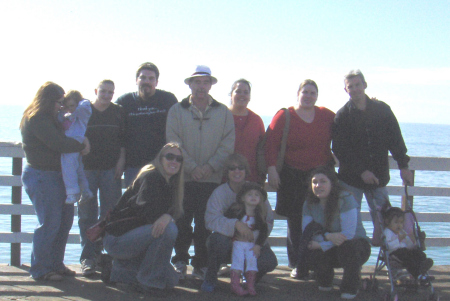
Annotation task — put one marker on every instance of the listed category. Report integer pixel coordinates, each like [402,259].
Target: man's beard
[146,93]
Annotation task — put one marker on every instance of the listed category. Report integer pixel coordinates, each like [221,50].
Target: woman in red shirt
[249,127]
[308,146]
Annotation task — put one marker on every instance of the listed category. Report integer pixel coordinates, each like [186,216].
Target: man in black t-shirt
[103,166]
[146,114]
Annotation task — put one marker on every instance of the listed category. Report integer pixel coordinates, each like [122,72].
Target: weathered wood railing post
[16,220]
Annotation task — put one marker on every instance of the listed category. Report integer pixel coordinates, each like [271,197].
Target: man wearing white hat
[205,130]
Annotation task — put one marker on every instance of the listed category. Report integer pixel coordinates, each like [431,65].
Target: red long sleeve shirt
[249,131]
[308,144]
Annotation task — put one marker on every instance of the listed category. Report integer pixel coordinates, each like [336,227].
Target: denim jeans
[196,196]
[138,257]
[73,173]
[55,218]
[130,174]
[350,256]
[375,197]
[219,252]
[109,192]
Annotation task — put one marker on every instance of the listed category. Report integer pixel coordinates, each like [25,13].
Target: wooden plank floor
[15,284]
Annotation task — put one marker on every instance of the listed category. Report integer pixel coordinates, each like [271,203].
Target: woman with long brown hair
[343,242]
[43,141]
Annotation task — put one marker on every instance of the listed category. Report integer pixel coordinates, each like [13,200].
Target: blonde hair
[177,205]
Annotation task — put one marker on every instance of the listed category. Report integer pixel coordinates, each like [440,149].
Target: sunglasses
[172,157]
[234,167]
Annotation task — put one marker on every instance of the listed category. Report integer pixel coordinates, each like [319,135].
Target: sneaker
[325,288]
[425,266]
[294,273]
[348,296]
[223,270]
[199,273]
[207,287]
[87,267]
[71,199]
[86,195]
[181,269]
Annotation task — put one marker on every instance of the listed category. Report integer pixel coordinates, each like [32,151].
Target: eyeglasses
[234,167]
[172,157]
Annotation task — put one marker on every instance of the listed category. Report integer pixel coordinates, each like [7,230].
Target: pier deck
[16,284]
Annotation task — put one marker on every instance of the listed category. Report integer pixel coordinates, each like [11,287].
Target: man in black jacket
[364,131]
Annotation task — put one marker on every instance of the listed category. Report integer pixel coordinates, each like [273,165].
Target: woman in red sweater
[308,146]
[249,127]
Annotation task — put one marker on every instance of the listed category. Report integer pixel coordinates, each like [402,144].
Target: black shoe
[106,263]
[425,266]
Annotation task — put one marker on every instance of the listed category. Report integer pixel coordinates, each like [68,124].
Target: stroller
[398,276]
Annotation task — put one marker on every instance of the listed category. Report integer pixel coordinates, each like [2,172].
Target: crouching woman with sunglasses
[141,256]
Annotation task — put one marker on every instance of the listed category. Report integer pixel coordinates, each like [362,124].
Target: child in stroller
[402,243]
[402,246]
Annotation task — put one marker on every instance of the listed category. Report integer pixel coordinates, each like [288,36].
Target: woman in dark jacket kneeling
[141,250]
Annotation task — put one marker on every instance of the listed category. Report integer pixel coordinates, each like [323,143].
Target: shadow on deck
[15,284]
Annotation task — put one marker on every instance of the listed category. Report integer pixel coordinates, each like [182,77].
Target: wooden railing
[16,209]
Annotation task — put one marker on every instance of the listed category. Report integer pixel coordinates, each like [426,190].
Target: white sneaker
[348,296]
[294,273]
[325,288]
[87,267]
[181,269]
[86,195]
[71,199]
[199,273]
[223,270]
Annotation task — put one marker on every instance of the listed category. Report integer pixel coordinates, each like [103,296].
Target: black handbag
[122,221]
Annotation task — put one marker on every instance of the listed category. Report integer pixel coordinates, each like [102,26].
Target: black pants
[290,198]
[196,195]
[410,259]
[350,255]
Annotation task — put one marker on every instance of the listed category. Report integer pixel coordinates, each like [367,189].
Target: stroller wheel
[369,284]
[366,284]
[434,297]
[390,296]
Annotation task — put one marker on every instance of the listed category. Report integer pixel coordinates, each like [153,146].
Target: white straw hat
[201,70]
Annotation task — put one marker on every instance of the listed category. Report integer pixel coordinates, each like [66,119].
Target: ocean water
[426,140]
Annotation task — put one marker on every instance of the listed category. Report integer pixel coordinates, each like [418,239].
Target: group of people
[195,161]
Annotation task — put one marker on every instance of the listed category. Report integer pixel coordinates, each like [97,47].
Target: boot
[236,287]
[251,279]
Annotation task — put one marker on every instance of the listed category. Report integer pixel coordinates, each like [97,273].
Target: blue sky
[402,47]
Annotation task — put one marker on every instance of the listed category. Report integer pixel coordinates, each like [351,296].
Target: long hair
[177,179]
[43,102]
[331,206]
[260,210]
